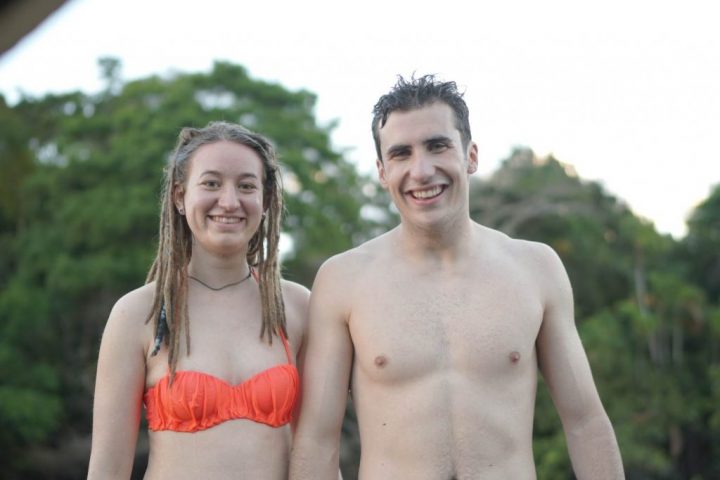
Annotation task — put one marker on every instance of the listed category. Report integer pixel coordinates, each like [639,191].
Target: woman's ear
[179,198]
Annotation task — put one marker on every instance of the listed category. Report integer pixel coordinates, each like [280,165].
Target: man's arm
[326,372]
[591,440]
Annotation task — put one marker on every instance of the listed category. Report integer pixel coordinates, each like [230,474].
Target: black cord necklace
[162,326]
[224,286]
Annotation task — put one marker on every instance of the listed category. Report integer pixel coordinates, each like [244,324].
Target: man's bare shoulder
[354,263]
[537,255]
[525,251]
[531,259]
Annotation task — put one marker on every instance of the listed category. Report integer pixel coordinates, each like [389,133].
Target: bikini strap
[286,345]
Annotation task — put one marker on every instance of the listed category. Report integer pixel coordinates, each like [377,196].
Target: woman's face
[222,198]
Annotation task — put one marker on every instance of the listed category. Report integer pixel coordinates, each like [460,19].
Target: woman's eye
[211,183]
[247,187]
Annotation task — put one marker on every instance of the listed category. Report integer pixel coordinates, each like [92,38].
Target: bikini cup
[197,400]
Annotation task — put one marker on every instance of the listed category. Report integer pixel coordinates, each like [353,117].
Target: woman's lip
[226,219]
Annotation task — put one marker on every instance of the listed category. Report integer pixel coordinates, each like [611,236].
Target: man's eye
[438,146]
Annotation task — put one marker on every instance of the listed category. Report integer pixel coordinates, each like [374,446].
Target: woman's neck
[216,270]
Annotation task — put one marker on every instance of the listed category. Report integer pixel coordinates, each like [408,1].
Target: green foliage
[79,199]
[543,200]
[79,193]
[28,415]
[651,331]
[16,164]
[701,247]
[549,444]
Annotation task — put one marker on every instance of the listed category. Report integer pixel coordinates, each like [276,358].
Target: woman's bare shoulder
[128,318]
[296,298]
[136,303]
[295,292]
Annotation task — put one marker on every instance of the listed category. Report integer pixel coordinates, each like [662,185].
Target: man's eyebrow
[394,149]
[437,139]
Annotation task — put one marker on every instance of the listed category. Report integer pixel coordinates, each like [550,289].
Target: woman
[209,344]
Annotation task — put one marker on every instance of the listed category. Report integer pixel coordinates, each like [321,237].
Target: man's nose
[421,167]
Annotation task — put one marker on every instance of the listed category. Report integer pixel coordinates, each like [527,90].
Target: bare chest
[473,325]
[224,342]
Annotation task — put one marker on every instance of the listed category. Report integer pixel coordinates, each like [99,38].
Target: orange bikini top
[197,401]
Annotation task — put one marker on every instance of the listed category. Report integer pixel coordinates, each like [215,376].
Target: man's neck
[446,245]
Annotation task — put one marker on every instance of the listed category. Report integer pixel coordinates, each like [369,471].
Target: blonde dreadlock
[169,269]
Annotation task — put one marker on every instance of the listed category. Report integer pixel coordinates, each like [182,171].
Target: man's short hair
[415,93]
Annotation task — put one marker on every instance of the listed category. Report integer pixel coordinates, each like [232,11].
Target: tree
[78,215]
[651,330]
[542,199]
[701,246]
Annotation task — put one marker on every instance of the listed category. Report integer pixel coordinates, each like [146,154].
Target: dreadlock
[169,312]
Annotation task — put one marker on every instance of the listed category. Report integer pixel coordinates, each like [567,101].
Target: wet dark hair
[416,93]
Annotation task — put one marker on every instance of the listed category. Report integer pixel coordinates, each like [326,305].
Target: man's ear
[381,173]
[179,198]
[472,158]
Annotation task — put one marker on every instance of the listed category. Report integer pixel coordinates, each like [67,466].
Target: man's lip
[412,191]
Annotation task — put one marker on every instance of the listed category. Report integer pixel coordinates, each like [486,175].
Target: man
[439,326]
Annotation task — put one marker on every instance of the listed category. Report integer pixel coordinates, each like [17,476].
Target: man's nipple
[514,356]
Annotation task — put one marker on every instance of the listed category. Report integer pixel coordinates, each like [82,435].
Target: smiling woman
[222,197]
[224,410]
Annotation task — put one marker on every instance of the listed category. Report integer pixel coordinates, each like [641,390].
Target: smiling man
[439,326]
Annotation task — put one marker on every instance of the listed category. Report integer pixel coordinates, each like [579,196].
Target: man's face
[424,165]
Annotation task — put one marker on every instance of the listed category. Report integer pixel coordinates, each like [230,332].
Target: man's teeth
[427,193]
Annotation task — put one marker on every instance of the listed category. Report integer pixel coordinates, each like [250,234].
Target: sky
[625,91]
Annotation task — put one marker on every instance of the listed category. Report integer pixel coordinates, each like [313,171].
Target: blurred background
[597,126]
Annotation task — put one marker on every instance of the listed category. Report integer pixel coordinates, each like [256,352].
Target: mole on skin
[514,356]
[380,361]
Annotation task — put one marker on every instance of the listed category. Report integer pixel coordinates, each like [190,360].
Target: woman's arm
[119,387]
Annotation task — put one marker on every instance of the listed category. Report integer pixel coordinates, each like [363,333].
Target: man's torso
[444,372]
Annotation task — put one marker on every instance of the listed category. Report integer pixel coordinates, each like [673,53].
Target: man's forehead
[420,123]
